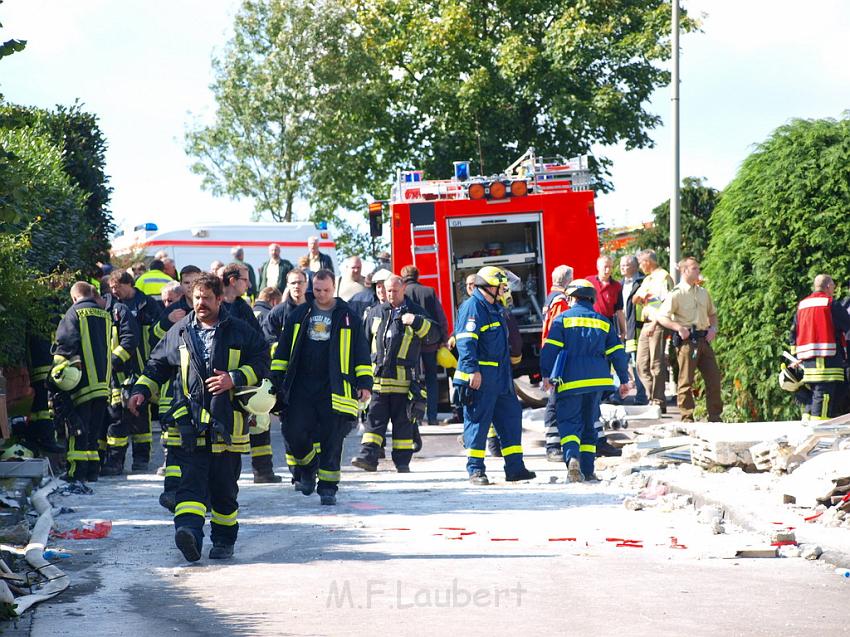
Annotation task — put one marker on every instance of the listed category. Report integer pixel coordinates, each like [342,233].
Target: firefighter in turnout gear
[40,433]
[125,338]
[483,381]
[320,371]
[817,339]
[84,334]
[396,330]
[236,281]
[576,358]
[207,354]
[147,312]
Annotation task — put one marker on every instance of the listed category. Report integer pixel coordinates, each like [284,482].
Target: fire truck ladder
[425,252]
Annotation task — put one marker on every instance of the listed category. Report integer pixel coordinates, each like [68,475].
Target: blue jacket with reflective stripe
[580,349]
[481,337]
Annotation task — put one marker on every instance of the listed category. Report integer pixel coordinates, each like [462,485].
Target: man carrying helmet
[484,382]
[207,354]
[576,361]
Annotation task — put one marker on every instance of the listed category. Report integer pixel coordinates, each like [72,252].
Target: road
[427,553]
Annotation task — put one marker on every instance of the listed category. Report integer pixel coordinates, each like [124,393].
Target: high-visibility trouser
[209,484]
[261,452]
[141,434]
[503,411]
[40,424]
[383,408]
[310,420]
[822,401]
[83,458]
[577,413]
[174,457]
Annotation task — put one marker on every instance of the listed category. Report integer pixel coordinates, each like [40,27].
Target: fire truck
[536,215]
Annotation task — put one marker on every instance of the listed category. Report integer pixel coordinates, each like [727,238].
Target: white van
[203,244]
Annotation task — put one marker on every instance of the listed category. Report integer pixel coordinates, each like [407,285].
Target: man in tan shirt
[651,360]
[689,311]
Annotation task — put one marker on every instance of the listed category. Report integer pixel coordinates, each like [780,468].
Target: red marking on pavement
[436,534]
[784,543]
[631,545]
[364,506]
[397,529]
[562,539]
[468,533]
[814,517]
[614,539]
[454,538]
[504,539]
[453,528]
[674,543]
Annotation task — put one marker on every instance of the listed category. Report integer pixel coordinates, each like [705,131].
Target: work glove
[464,396]
[416,410]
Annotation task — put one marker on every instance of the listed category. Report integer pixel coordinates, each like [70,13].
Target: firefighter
[576,358]
[556,303]
[153,280]
[817,339]
[483,381]
[293,296]
[236,281]
[147,312]
[207,353]
[125,338]
[81,369]
[267,299]
[320,371]
[396,330]
[40,433]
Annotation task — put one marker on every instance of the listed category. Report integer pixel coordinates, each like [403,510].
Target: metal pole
[675,228]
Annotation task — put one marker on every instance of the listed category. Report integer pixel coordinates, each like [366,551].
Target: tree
[781,221]
[325,101]
[697,202]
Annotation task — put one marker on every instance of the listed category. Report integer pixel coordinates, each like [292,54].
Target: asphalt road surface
[427,553]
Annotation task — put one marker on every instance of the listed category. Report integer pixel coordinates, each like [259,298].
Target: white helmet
[790,378]
[257,400]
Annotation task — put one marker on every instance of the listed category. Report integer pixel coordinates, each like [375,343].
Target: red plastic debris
[814,517]
[94,530]
[674,543]
[504,539]
[784,543]
[562,539]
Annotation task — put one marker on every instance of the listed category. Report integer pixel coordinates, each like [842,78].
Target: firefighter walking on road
[207,353]
[576,359]
[396,330]
[320,370]
[82,368]
[817,339]
[483,381]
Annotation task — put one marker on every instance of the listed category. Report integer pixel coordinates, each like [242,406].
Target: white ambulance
[203,244]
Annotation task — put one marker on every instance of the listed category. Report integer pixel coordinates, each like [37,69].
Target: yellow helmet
[66,374]
[445,358]
[257,400]
[581,289]
[490,276]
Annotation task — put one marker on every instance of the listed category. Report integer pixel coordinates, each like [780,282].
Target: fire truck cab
[535,216]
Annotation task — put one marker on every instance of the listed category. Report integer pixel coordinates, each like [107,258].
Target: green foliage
[697,202]
[81,148]
[52,206]
[781,221]
[22,289]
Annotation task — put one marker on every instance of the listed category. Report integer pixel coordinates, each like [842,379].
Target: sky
[143,67]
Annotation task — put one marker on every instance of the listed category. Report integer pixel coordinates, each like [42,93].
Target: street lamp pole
[675,228]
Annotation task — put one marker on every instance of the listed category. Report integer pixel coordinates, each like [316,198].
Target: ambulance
[202,244]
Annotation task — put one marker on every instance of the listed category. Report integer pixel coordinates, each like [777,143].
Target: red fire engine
[535,216]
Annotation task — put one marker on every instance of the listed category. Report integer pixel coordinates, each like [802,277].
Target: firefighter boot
[367,459]
[479,478]
[188,544]
[327,499]
[554,454]
[307,482]
[263,470]
[168,500]
[605,448]
[221,551]
[114,464]
[522,474]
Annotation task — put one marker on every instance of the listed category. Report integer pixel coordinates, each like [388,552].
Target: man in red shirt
[609,301]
